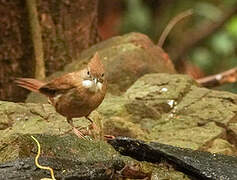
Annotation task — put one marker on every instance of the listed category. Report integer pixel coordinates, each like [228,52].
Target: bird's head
[94,75]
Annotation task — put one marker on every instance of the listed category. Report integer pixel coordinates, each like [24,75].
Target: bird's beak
[95,80]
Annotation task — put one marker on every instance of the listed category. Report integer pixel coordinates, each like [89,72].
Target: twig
[37,39]
[194,37]
[171,24]
[37,162]
[229,76]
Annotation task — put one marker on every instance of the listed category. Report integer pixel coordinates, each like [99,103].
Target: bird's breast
[78,102]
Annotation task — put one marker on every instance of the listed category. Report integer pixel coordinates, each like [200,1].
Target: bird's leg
[92,126]
[75,130]
[87,117]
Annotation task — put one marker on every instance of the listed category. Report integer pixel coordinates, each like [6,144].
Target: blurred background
[200,44]
[202,39]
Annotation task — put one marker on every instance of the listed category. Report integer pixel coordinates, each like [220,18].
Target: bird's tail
[30,84]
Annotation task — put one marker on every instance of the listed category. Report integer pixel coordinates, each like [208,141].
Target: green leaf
[232,26]
[222,43]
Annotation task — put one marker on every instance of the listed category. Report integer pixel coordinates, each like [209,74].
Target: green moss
[68,147]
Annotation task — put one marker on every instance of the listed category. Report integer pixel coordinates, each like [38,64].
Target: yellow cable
[37,163]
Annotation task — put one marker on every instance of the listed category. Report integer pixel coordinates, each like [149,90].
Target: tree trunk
[67,28]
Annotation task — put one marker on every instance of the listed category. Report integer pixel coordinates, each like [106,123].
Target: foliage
[214,55]
[137,17]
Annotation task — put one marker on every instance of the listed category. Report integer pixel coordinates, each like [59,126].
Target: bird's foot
[78,133]
[87,133]
[109,137]
[94,131]
[92,126]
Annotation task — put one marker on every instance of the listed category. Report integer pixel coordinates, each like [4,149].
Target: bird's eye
[88,73]
[102,75]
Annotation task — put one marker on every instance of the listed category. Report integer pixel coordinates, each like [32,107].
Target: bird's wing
[61,84]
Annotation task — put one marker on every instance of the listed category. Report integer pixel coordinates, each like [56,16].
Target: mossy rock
[66,147]
[174,110]
[166,108]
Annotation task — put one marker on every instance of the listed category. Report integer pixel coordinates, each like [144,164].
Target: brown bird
[75,94]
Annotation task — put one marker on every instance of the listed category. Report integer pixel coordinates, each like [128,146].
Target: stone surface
[167,108]
[58,145]
[64,146]
[66,154]
[33,118]
[64,169]
[222,146]
[198,164]
[232,132]
[172,109]
[71,157]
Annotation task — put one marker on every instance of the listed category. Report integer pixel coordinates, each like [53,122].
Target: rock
[63,169]
[71,157]
[222,146]
[165,108]
[67,155]
[193,137]
[33,118]
[126,58]
[64,146]
[198,164]
[172,109]
[120,126]
[156,94]
[232,131]
[64,152]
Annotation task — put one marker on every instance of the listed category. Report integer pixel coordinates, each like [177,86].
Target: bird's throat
[92,86]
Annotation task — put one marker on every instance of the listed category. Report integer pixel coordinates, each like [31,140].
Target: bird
[75,94]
